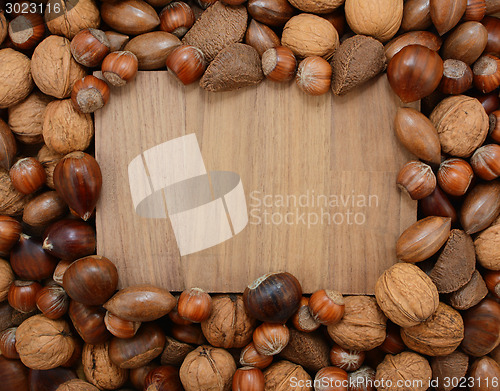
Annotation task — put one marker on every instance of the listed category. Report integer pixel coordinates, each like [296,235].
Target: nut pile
[435,319]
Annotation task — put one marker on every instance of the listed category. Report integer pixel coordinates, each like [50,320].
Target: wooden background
[281,142]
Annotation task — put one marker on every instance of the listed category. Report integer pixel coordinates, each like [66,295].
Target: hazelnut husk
[49,160]
[65,129]
[229,325]
[406,365]
[12,202]
[207,368]
[16,82]
[406,304]
[278,377]
[26,118]
[68,17]
[43,343]
[100,370]
[439,335]
[363,326]
[53,67]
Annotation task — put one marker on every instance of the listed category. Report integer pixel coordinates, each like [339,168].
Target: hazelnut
[486,73]
[486,162]
[53,68]
[417,179]
[207,368]
[363,325]
[100,370]
[89,47]
[89,322]
[26,30]
[120,328]
[8,343]
[118,68]
[248,378]
[52,301]
[43,343]
[303,320]
[194,305]
[406,304]
[406,366]
[251,357]
[164,378]
[22,295]
[177,18]
[12,202]
[229,325]
[16,82]
[187,63]
[279,377]
[68,18]
[279,64]
[455,176]
[27,175]
[349,360]
[10,229]
[380,18]
[270,339]
[327,306]
[457,77]
[65,129]
[90,94]
[314,75]
[331,378]
[298,37]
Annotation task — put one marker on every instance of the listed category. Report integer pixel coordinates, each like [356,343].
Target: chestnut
[120,328]
[393,343]
[177,18]
[279,64]
[91,280]
[8,343]
[303,320]
[349,360]
[194,305]
[48,380]
[248,379]
[327,306]
[191,334]
[417,179]
[26,30]
[52,301]
[492,280]
[273,297]
[486,73]
[187,63]
[314,75]
[490,102]
[486,162]
[415,72]
[119,68]
[89,322]
[476,9]
[484,375]
[250,357]
[455,176]
[139,350]
[70,239]
[14,375]
[164,378]
[30,261]
[138,375]
[27,175]
[22,295]
[331,379]
[492,25]
[10,230]
[481,328]
[457,77]
[89,47]
[270,338]
[89,94]
[261,37]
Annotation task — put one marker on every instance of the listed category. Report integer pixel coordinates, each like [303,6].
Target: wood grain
[282,143]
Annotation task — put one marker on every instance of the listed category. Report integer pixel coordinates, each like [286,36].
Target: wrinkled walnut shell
[12,202]
[76,385]
[68,17]
[100,370]
[279,376]
[403,367]
[16,82]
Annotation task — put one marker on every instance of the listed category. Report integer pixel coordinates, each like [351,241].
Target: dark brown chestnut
[490,102]
[190,333]
[14,375]
[492,26]
[481,328]
[22,295]
[484,375]
[30,261]
[91,280]
[438,204]
[273,297]
[138,375]
[89,322]
[51,379]
[393,343]
[70,239]
[8,343]
[139,350]
[52,301]
[78,179]
[271,12]
[10,230]
[164,378]
[44,209]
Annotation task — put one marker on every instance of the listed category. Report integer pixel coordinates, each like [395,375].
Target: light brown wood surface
[281,142]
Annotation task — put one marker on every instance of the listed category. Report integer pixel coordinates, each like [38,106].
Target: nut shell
[152,49]
[69,17]
[462,125]
[16,81]
[53,68]
[100,370]
[310,35]
[406,294]
[8,146]
[49,160]
[12,202]
[278,377]
[76,385]
[363,326]
[482,328]
[43,343]
[44,209]
[465,43]
[379,18]
[487,245]
[6,279]
[89,47]
[131,17]
[481,207]
[407,365]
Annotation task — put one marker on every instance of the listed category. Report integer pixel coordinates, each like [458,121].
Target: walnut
[462,125]
[65,129]
[207,368]
[219,26]
[8,146]
[76,385]
[49,160]
[406,294]
[379,18]
[286,376]
[363,325]
[487,246]
[68,17]
[11,201]
[310,35]
[43,343]
[4,27]
[410,370]
[6,279]
[439,335]
[100,370]
[53,67]
[26,118]
[317,6]
[16,82]
[229,325]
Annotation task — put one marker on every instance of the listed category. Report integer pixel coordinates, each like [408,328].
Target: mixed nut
[434,322]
